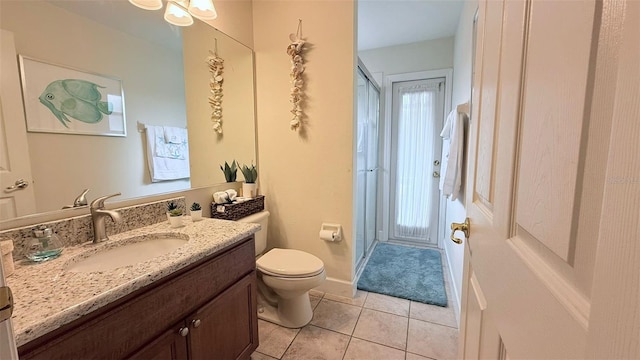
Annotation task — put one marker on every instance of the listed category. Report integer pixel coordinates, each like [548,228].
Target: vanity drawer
[122,327]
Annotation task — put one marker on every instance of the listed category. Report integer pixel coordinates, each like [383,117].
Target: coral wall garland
[295,50]
[216,67]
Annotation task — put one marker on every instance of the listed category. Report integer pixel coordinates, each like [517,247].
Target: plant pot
[249,190]
[175,221]
[196,215]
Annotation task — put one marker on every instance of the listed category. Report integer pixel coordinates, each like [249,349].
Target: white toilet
[285,277]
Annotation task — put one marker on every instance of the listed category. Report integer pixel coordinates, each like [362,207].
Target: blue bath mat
[405,272]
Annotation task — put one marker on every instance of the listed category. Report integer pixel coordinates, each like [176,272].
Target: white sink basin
[127,252]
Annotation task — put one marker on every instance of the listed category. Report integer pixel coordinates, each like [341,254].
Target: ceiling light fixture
[180,12]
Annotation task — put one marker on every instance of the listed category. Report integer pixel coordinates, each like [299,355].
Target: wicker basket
[238,210]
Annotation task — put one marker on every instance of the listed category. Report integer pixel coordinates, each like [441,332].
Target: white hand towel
[174,135]
[164,168]
[453,135]
[232,194]
[224,197]
[170,150]
[220,197]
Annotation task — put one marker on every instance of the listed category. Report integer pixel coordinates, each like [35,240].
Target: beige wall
[455,210]
[63,165]
[307,177]
[208,149]
[418,56]
[235,18]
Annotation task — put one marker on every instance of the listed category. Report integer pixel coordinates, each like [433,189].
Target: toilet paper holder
[331,232]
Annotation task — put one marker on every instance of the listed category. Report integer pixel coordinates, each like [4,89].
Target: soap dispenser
[44,245]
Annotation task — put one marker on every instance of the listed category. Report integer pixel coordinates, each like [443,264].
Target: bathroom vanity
[196,302]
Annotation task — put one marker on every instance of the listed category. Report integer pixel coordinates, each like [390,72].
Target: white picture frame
[63,100]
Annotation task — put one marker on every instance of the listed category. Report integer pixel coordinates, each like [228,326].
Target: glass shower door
[361,167]
[371,192]
[366,166]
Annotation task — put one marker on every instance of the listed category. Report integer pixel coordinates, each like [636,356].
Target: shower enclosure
[366,187]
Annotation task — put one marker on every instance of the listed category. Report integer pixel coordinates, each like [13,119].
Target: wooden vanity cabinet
[205,311]
[228,319]
[221,329]
[170,345]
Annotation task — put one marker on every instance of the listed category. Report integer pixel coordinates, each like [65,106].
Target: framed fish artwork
[60,99]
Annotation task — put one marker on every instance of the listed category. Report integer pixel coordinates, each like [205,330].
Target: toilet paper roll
[327,235]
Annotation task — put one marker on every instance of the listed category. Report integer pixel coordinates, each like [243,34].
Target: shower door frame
[360,260]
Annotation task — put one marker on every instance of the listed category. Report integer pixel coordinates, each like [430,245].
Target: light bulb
[147,4]
[203,9]
[177,15]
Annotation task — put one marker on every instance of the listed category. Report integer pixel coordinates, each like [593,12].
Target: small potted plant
[175,214]
[230,171]
[249,187]
[196,212]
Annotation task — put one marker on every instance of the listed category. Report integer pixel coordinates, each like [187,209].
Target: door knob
[465,227]
[436,174]
[184,331]
[195,323]
[19,185]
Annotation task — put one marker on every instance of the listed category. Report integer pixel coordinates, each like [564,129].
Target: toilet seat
[289,263]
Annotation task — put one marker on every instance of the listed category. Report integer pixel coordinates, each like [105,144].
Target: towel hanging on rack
[174,135]
[167,161]
[452,154]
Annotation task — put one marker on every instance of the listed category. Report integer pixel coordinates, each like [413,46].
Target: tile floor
[369,326]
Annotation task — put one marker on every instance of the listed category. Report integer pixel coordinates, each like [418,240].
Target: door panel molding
[557,67]
[562,289]
[484,184]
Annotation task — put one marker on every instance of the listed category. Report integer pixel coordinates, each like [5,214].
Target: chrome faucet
[98,213]
[81,200]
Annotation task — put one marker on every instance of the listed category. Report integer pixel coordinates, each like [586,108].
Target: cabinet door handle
[195,323]
[184,331]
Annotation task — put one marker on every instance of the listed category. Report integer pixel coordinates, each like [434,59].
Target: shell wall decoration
[295,50]
[216,67]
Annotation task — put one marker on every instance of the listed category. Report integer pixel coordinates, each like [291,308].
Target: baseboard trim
[337,287]
[454,289]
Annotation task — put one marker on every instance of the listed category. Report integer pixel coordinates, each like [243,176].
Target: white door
[552,192]
[15,200]
[7,342]
[417,114]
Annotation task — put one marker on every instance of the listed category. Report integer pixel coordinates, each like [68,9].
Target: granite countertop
[46,296]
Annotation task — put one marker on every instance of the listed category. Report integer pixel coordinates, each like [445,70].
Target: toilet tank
[261,218]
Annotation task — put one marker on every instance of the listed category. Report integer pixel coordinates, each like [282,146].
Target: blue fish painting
[78,99]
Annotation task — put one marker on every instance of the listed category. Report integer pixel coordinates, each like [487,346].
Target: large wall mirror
[165,78]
